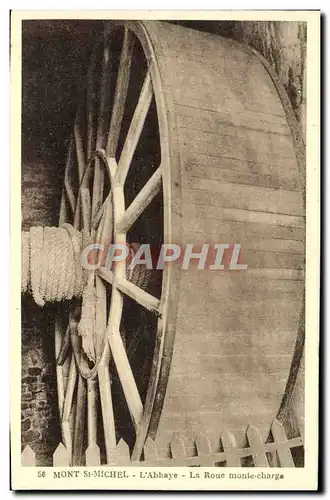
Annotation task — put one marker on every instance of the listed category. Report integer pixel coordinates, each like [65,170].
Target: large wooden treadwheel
[170,146]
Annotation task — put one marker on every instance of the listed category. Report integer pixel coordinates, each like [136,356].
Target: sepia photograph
[163,248]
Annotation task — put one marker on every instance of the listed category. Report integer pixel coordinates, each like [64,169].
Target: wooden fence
[275,452]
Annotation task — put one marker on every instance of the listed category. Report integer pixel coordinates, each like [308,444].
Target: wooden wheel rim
[147,417]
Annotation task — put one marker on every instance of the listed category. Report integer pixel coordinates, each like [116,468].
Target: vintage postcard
[165,250]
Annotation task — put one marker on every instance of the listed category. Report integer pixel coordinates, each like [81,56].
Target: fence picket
[61,457]
[256,443]
[177,447]
[120,455]
[150,451]
[28,457]
[229,447]
[283,445]
[261,452]
[204,450]
[93,457]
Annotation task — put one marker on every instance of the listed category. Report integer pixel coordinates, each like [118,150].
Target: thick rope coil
[52,271]
[51,268]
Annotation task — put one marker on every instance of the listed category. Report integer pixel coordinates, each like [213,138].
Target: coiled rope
[51,268]
[52,271]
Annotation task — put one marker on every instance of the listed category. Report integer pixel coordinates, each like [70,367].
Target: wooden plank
[223,84]
[267,340]
[120,93]
[195,231]
[227,146]
[244,119]
[286,171]
[230,195]
[61,457]
[256,443]
[244,308]
[272,260]
[255,402]
[141,201]
[229,447]
[28,457]
[282,444]
[236,124]
[234,176]
[225,324]
[135,129]
[247,286]
[207,123]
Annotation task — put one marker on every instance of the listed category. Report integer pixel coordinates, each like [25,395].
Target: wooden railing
[273,453]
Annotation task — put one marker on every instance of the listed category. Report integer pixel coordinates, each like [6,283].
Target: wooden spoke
[59,369]
[98,170]
[79,427]
[105,231]
[140,203]
[92,411]
[106,403]
[120,94]
[90,105]
[67,184]
[105,274]
[65,344]
[143,298]
[84,194]
[79,149]
[67,407]
[126,377]
[135,130]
